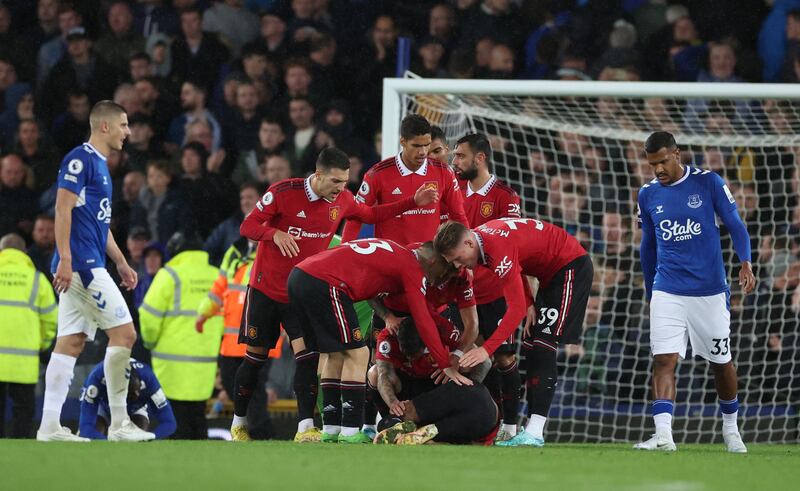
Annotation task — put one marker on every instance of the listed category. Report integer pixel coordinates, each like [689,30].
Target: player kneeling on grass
[404,371]
[322,290]
[145,399]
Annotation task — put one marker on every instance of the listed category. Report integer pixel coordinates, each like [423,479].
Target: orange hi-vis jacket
[227,298]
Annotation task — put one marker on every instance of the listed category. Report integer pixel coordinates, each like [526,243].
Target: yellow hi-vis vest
[28,317]
[184,360]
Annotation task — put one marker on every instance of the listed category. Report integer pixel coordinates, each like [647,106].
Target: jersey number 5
[368,246]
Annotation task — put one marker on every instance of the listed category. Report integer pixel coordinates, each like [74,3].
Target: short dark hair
[251,185]
[302,98]
[659,140]
[269,119]
[104,110]
[160,165]
[437,133]
[414,125]
[191,9]
[794,14]
[448,236]
[140,55]
[408,338]
[253,49]
[477,143]
[332,158]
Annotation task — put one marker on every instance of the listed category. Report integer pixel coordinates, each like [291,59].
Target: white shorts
[84,309]
[703,321]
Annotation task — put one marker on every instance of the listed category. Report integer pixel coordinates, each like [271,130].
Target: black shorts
[561,306]
[489,317]
[329,321]
[462,413]
[411,387]
[262,318]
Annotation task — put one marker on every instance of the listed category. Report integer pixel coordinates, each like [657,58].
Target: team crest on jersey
[251,332]
[694,201]
[357,334]
[431,185]
[333,213]
[487,207]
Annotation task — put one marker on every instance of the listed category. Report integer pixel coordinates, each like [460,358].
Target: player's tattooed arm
[391,321]
[388,387]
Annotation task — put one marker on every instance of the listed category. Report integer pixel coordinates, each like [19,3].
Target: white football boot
[129,432]
[661,442]
[63,434]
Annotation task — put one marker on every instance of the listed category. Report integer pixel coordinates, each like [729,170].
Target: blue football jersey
[94,394]
[682,217]
[84,172]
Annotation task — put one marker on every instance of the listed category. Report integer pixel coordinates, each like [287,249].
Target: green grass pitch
[227,466]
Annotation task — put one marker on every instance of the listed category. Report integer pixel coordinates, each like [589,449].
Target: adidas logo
[328,408]
[397,191]
[302,214]
[546,330]
[347,405]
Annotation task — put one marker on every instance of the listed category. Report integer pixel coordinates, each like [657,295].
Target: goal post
[573,150]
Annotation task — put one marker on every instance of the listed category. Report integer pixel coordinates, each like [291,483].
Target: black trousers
[23,407]
[191,419]
[462,413]
[259,424]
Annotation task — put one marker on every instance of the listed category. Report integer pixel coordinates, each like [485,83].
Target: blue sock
[661,406]
[729,407]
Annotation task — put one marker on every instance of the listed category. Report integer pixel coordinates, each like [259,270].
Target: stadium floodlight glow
[573,150]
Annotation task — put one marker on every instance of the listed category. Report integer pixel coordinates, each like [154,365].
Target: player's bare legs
[726,384]
[663,386]
[331,385]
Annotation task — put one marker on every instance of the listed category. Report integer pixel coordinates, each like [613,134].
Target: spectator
[257,65]
[792,46]
[152,261]
[227,232]
[272,35]
[52,51]
[140,66]
[431,52]
[159,48]
[161,208]
[501,62]
[243,126]
[271,141]
[140,146]
[232,22]
[193,101]
[37,153]
[150,97]
[46,26]
[44,244]
[594,351]
[375,63]
[17,201]
[303,152]
[196,54]
[19,106]
[71,128]
[772,39]
[121,42]
[153,18]
[200,131]
[138,239]
[493,19]
[442,25]
[79,70]
[621,51]
[305,23]
[336,129]
[132,185]
[721,64]
[326,75]
[297,79]
[687,53]
[204,192]
[276,168]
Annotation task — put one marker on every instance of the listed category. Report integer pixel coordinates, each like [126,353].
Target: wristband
[457,353]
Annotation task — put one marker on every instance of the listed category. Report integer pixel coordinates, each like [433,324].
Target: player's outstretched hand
[456,377]
[426,195]
[392,323]
[63,276]
[286,244]
[474,357]
[198,324]
[529,317]
[128,275]
[397,408]
[747,280]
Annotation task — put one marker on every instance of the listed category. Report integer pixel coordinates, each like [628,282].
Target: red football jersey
[388,349]
[365,268]
[390,180]
[457,289]
[513,247]
[494,200]
[293,207]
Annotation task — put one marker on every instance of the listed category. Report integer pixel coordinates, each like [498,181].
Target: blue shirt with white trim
[681,252]
[85,173]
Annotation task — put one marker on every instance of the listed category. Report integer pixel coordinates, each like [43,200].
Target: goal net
[574,153]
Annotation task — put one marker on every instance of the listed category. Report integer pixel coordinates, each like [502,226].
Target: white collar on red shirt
[485,189]
[479,240]
[405,171]
[312,196]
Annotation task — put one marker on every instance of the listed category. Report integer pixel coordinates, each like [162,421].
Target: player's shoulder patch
[159,398]
[385,347]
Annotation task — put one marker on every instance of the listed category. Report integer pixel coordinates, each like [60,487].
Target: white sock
[349,431]
[729,422]
[305,425]
[331,429]
[116,367]
[510,429]
[535,426]
[663,423]
[239,421]
[57,379]
[370,427]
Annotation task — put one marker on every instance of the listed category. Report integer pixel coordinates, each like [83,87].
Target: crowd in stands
[226,97]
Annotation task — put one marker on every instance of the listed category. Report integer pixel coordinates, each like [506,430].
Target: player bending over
[686,281]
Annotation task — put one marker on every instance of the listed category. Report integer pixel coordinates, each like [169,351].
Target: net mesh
[578,163]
